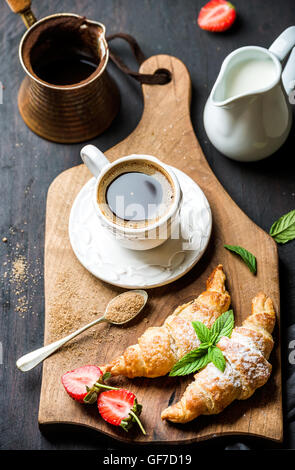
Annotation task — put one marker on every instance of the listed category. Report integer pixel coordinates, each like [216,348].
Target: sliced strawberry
[120,408]
[217,16]
[114,405]
[77,382]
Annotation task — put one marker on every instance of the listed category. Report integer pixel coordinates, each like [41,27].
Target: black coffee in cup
[135,193]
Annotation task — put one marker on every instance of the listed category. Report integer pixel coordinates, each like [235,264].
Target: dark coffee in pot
[65,53]
[66,68]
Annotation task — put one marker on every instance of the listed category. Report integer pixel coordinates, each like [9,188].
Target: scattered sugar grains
[23,279]
[19,269]
[19,279]
[68,310]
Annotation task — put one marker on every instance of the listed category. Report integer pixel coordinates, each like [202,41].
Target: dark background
[264,190]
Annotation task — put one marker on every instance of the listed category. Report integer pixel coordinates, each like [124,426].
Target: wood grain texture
[165,130]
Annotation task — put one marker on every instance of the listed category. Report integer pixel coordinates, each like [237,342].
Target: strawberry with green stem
[120,408]
[117,406]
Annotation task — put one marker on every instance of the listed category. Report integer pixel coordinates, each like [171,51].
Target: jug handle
[288,75]
[281,48]
[23,7]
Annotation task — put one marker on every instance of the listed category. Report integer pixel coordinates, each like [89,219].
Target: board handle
[23,8]
[174,97]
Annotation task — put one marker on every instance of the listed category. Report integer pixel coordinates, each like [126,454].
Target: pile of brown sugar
[124,307]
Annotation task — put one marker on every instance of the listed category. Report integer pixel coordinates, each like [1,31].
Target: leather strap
[159,77]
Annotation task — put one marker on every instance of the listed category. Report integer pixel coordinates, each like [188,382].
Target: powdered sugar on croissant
[247,368]
[159,348]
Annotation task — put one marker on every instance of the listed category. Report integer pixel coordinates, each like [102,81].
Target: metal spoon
[32,359]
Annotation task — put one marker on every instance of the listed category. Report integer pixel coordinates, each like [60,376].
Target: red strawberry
[79,381]
[217,15]
[119,407]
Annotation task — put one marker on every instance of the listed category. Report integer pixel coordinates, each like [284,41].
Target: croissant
[247,368]
[159,348]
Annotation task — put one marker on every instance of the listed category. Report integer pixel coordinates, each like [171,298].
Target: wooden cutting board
[73,296]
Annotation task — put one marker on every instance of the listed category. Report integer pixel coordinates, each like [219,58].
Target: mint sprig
[246,256]
[207,351]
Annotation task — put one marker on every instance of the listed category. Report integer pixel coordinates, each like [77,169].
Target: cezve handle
[281,48]
[23,7]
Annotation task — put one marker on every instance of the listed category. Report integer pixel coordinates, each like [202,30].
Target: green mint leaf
[216,356]
[283,230]
[287,236]
[204,346]
[202,331]
[246,256]
[190,363]
[202,362]
[223,326]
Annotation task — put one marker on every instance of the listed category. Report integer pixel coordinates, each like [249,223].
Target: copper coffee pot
[64,113]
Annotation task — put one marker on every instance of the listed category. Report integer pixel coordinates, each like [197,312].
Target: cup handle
[94,159]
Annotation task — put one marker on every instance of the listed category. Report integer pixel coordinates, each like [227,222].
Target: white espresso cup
[155,231]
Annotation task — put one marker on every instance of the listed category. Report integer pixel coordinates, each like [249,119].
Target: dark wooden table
[264,190]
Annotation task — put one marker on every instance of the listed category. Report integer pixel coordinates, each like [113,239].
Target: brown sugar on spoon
[124,307]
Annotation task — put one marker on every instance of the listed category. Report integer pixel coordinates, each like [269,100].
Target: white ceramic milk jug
[247,116]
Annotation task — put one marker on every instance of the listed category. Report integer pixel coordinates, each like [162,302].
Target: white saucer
[106,259]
